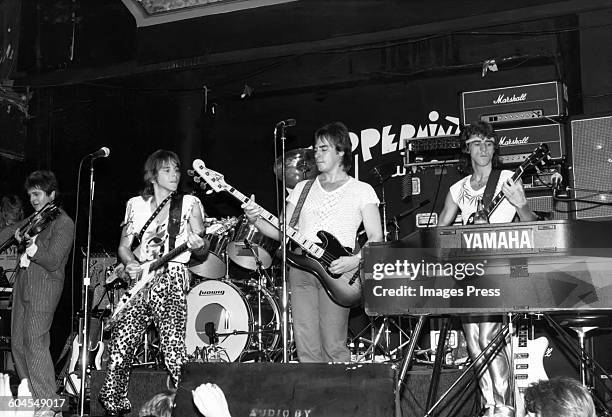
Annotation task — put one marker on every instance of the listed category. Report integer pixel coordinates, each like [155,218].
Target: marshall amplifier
[517,143]
[512,104]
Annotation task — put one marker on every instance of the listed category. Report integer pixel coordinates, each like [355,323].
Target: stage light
[247,91]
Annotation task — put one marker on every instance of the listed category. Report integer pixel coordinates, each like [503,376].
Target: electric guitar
[343,289]
[72,381]
[482,213]
[148,275]
[528,355]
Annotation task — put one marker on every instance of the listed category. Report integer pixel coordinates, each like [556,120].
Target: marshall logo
[211,292]
[279,412]
[501,99]
[498,239]
[505,141]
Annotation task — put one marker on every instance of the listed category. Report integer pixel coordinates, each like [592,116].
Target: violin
[34,224]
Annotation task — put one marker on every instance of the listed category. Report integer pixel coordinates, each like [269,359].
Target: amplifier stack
[525,116]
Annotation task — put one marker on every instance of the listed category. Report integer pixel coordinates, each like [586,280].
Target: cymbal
[299,165]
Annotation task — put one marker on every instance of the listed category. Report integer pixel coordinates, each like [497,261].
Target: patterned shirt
[467,199]
[155,239]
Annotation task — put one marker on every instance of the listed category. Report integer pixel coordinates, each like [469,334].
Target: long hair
[11,210]
[337,134]
[153,164]
[160,405]
[479,129]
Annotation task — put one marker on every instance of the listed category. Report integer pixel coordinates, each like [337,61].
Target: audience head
[160,405]
[559,397]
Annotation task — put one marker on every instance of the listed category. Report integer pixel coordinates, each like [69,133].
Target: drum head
[222,304]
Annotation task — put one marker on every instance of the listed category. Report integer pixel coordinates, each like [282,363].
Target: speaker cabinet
[426,195]
[553,210]
[293,389]
[592,166]
[144,384]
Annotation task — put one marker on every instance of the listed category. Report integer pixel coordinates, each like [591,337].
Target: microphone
[556,179]
[209,329]
[103,152]
[286,123]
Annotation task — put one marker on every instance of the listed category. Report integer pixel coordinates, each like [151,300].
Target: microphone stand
[261,275]
[84,325]
[283,220]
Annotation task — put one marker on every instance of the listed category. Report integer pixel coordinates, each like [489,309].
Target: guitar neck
[311,247]
[158,263]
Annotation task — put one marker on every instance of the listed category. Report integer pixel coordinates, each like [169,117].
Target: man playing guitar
[337,203]
[38,287]
[149,219]
[480,148]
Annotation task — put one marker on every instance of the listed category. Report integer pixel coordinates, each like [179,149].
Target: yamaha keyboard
[515,267]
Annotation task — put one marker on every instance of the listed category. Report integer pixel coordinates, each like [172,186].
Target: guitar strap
[300,203]
[489,191]
[159,208]
[174,219]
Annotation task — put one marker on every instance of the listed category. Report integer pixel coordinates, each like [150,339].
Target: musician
[338,204]
[153,215]
[37,290]
[480,147]
[11,210]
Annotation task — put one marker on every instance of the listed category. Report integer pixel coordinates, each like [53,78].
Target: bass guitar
[482,214]
[343,289]
[528,363]
[148,275]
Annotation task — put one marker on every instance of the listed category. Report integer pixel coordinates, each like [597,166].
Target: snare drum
[234,314]
[263,246]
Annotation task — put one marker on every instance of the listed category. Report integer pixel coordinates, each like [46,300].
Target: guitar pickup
[522,366]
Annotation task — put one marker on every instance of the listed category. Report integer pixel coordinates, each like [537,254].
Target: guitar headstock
[539,156]
[212,178]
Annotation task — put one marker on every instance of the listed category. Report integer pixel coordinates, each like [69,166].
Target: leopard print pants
[166,306]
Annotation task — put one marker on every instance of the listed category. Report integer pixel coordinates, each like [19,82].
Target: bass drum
[234,314]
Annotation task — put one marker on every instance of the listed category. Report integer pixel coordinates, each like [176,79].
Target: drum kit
[230,319]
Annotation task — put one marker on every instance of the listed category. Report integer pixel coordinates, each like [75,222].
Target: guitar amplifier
[98,264]
[529,102]
[517,143]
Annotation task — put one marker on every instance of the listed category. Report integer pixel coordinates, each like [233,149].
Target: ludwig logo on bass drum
[211,292]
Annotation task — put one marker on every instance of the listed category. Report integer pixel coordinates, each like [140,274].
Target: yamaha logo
[505,141]
[502,239]
[211,292]
[502,99]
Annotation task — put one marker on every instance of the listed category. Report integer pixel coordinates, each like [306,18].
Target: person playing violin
[39,282]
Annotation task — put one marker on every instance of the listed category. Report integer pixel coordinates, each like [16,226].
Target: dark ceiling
[66,41]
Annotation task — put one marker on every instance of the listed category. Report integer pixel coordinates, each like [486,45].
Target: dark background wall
[381,70]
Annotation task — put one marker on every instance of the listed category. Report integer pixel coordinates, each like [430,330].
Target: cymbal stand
[261,275]
[376,336]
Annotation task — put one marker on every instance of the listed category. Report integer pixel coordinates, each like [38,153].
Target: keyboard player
[480,149]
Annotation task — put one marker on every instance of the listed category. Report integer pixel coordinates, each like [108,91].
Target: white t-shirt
[337,212]
[467,199]
[155,239]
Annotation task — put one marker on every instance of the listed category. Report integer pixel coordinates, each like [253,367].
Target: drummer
[336,203]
